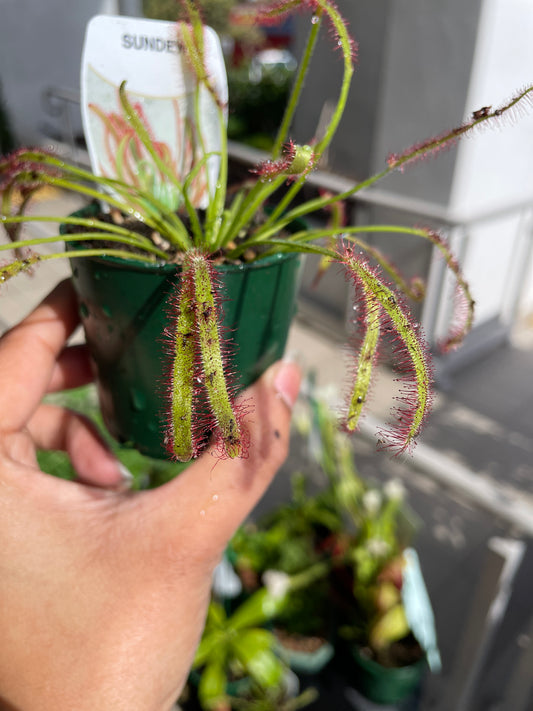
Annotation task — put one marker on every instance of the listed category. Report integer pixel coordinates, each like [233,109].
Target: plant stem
[250,206]
[181,239]
[297,87]
[319,204]
[81,237]
[345,43]
[140,130]
[136,202]
[217,204]
[130,237]
[122,253]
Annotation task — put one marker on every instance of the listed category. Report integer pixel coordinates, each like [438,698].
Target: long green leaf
[183,444]
[210,349]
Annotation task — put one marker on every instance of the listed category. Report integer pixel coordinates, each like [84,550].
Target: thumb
[212,497]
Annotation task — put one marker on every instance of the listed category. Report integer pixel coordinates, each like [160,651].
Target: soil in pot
[305,655]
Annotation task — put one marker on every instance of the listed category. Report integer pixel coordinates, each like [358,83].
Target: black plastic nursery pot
[385,685]
[125,308]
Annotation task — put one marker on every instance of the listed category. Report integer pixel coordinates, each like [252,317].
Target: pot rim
[373,666]
[170,268]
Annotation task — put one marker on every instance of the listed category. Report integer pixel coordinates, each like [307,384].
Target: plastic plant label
[418,609]
[180,117]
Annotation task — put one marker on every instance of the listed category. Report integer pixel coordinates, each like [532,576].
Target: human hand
[104,591]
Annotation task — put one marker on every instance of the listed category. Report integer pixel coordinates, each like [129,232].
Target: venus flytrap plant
[188,219]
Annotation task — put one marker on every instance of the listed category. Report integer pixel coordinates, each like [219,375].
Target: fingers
[28,355]
[72,369]
[217,495]
[54,427]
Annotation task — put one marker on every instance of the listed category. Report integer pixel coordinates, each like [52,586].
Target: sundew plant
[228,230]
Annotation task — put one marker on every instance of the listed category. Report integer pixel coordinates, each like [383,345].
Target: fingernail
[291,356]
[286,382]
[126,478]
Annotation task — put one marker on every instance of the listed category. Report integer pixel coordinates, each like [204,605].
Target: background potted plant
[235,654]
[189,248]
[338,565]
[384,625]
[271,700]
[288,542]
[238,656]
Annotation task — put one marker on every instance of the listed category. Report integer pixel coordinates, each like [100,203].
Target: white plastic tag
[181,119]
[418,609]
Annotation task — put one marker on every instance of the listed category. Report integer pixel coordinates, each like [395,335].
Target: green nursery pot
[386,685]
[126,307]
[308,663]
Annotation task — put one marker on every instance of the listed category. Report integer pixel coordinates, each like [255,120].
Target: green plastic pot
[385,685]
[126,308]
[307,663]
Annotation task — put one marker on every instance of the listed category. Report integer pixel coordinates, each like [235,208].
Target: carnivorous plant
[164,197]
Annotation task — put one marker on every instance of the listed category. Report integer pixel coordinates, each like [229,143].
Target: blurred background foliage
[259,65]
[218,14]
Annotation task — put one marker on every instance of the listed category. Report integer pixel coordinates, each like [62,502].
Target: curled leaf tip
[480,118]
[295,161]
[383,316]
[464,304]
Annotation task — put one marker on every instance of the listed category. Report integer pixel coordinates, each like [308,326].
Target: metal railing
[63,108]
[437,310]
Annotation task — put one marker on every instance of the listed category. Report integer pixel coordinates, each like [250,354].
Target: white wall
[428,48]
[40,46]
[494,168]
